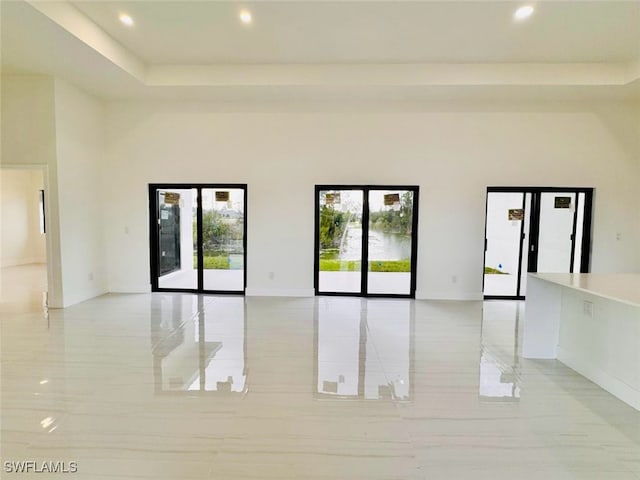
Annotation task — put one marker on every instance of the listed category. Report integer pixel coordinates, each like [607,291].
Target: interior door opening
[198,237]
[366,240]
[534,229]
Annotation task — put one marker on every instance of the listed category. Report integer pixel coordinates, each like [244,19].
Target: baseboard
[17,262]
[277,292]
[83,297]
[459,296]
[133,288]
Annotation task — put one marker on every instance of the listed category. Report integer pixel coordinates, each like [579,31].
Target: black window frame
[415,189]
[153,235]
[534,231]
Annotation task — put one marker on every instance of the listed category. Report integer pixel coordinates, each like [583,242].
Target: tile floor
[169,386]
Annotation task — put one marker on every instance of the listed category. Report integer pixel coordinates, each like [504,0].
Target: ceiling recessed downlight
[245,16]
[126,19]
[523,12]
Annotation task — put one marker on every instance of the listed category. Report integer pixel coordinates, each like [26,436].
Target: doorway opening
[198,238]
[366,240]
[534,229]
[24,265]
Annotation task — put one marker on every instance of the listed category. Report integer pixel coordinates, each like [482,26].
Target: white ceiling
[421,50]
[372,32]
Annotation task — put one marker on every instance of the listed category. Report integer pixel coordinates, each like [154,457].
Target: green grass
[494,271]
[327,265]
[219,263]
[390,266]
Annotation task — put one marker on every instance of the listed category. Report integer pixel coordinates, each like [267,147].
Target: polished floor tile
[174,386]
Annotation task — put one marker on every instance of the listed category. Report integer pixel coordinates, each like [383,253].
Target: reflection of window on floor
[499,362]
[497,380]
[203,351]
[363,353]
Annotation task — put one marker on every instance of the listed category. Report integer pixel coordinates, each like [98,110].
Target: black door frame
[153,235]
[534,231]
[364,269]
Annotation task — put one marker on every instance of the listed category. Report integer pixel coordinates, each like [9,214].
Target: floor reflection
[199,344]
[364,349]
[500,376]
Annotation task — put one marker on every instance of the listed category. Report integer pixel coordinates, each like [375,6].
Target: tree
[218,232]
[395,221]
[332,226]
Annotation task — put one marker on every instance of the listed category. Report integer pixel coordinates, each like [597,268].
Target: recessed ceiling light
[126,19]
[245,16]
[523,12]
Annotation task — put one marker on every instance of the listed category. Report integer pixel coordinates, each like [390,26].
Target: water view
[382,246]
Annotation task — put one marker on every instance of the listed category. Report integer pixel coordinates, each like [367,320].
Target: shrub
[220,262]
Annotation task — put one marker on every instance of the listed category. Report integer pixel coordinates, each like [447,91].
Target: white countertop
[622,287]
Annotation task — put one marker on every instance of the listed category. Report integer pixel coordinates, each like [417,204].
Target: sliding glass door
[198,237]
[366,240]
[503,242]
[390,242]
[223,227]
[534,229]
[176,245]
[339,237]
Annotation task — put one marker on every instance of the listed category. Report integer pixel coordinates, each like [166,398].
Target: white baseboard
[277,292]
[132,288]
[70,300]
[459,296]
[16,262]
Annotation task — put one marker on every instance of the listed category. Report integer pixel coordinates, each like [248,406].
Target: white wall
[21,240]
[80,154]
[451,151]
[28,124]
[50,124]
[29,141]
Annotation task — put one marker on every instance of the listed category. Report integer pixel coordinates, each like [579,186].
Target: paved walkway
[231,280]
[379,282]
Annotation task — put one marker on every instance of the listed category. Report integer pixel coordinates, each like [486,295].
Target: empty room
[320,240]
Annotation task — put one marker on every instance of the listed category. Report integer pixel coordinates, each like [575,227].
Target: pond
[382,246]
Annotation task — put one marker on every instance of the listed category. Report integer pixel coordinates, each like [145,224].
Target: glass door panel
[340,241]
[389,242]
[176,238]
[577,255]
[503,243]
[223,226]
[526,243]
[557,212]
